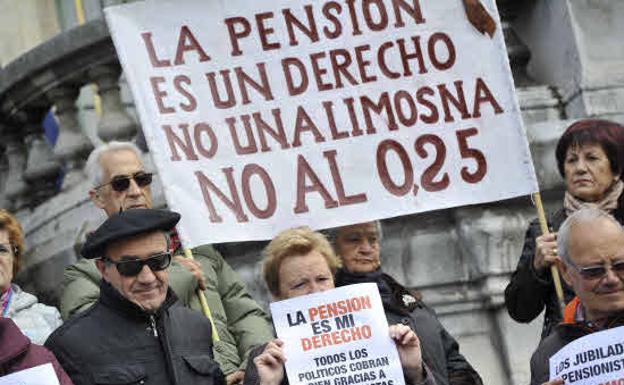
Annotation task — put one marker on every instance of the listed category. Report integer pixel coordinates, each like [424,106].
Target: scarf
[574,312]
[5,301]
[608,203]
[393,295]
[344,278]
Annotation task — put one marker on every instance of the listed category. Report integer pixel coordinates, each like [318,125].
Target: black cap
[127,224]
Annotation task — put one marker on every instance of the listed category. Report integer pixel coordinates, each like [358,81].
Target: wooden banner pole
[537,198]
[204,303]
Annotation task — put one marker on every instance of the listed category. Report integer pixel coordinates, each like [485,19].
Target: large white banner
[263,115]
[595,359]
[337,337]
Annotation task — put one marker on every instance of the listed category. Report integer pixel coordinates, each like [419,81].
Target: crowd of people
[131,313]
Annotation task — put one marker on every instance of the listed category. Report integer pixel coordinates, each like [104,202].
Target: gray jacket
[36,320]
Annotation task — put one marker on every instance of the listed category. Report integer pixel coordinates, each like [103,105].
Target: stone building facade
[568,63]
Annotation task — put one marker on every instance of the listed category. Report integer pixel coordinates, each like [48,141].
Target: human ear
[564,271]
[96,198]
[101,266]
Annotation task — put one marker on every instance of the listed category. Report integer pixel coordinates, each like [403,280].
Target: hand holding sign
[408,346]
[545,251]
[270,363]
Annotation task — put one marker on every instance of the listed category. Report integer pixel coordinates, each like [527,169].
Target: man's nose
[611,277]
[133,188]
[146,275]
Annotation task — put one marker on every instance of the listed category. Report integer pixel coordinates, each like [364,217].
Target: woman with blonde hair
[300,261]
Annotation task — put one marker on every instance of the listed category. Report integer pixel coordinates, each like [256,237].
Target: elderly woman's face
[588,172]
[6,261]
[358,247]
[304,274]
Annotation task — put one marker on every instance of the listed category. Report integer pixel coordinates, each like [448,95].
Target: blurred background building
[62,93]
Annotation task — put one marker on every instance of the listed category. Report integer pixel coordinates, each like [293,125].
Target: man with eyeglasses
[120,183]
[137,332]
[591,260]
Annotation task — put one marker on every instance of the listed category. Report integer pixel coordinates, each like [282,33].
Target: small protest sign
[595,359]
[38,375]
[263,115]
[337,337]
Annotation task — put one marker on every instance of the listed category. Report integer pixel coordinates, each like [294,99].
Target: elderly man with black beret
[137,332]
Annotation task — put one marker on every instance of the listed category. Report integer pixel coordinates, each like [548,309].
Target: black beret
[127,224]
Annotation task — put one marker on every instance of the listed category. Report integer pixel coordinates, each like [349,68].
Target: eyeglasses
[121,183]
[5,249]
[595,272]
[131,268]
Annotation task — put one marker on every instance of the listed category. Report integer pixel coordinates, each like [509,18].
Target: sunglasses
[131,268]
[599,271]
[120,183]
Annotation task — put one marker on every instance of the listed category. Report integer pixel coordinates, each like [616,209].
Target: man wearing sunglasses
[137,332]
[120,183]
[591,260]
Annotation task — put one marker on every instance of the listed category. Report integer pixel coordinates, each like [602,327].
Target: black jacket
[116,342]
[528,292]
[562,335]
[439,349]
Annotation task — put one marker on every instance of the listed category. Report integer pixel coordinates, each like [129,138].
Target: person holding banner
[590,157]
[358,246]
[300,261]
[120,182]
[34,319]
[591,260]
[18,353]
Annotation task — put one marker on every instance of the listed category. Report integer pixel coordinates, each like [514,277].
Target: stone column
[42,167]
[4,174]
[115,122]
[16,190]
[537,101]
[577,47]
[73,146]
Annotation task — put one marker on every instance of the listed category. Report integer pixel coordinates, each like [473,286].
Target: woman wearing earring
[590,158]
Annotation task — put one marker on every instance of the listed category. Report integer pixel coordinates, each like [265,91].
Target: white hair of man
[584,215]
[93,167]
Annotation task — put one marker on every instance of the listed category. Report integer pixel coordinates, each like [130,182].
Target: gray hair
[332,234]
[582,216]
[93,167]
